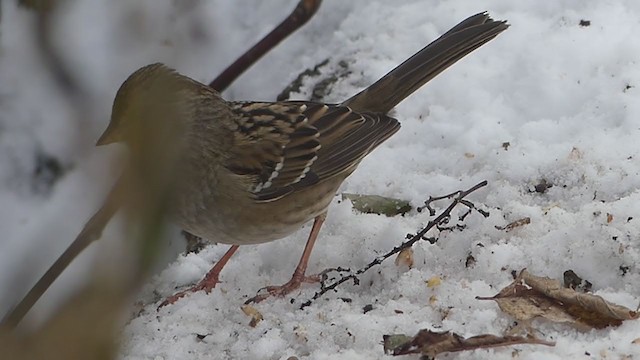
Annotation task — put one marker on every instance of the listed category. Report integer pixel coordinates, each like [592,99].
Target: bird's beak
[109,136]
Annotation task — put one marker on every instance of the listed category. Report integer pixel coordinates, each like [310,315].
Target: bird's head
[149,103]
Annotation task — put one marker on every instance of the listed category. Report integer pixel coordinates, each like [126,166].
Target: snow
[564,96]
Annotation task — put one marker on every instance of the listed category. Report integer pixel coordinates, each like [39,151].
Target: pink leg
[299,276]
[208,283]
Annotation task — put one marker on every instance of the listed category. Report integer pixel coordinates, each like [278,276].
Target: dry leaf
[405,258]
[375,204]
[609,218]
[514,224]
[434,281]
[529,297]
[431,343]
[255,315]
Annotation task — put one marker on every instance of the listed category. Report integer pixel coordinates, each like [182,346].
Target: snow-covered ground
[564,96]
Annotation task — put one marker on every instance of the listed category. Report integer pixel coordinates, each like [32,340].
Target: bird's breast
[229,215]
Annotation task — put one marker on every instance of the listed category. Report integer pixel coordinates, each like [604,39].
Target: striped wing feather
[288,146]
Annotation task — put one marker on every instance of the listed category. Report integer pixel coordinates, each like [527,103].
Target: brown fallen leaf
[405,258]
[514,224]
[255,315]
[434,281]
[530,296]
[431,343]
[375,204]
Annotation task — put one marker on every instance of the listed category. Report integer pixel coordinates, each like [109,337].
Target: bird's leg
[208,282]
[299,276]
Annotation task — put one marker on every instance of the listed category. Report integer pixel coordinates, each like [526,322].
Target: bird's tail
[434,58]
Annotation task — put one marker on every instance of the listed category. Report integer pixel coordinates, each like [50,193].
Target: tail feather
[434,58]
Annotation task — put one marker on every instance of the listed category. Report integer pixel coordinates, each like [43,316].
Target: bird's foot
[207,284]
[285,289]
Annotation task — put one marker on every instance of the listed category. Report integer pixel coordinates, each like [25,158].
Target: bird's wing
[287,146]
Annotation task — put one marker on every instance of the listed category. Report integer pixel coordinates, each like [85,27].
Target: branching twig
[458,198]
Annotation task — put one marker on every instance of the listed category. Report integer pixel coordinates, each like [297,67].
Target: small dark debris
[347,300]
[46,173]
[624,269]
[575,282]
[514,274]
[322,88]
[201,337]
[296,84]
[398,311]
[367,308]
[629,218]
[542,186]
[505,145]
[431,240]
[627,87]
[470,262]
[585,23]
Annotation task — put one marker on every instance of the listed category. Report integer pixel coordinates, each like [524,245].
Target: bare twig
[458,198]
[91,232]
[300,15]
[74,94]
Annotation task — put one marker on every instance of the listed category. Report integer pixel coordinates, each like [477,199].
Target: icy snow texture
[565,97]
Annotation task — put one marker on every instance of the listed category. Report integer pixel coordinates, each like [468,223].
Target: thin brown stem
[300,15]
[91,232]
